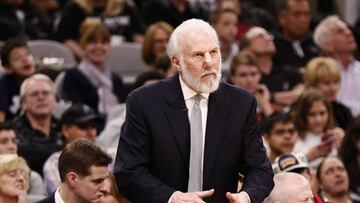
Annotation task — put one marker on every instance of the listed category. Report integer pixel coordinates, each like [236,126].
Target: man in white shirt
[334,36]
[83,167]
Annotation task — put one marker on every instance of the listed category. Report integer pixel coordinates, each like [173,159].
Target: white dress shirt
[57,196]
[349,93]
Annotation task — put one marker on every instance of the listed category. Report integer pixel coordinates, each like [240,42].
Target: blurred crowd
[301,65]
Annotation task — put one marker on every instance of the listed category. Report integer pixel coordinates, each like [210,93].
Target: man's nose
[207,58]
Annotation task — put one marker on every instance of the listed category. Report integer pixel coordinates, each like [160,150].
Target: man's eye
[213,52]
[198,56]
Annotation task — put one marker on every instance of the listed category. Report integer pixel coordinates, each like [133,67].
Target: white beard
[195,83]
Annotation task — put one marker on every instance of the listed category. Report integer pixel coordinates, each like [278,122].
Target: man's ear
[176,63]
[72,178]
[282,17]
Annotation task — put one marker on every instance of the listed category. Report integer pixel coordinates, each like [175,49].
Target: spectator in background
[297,163]
[333,181]
[290,187]
[103,89]
[280,134]
[294,44]
[17,60]
[8,145]
[324,74]
[78,121]
[120,18]
[14,179]
[156,38]
[314,121]
[111,193]
[109,137]
[83,170]
[148,78]
[245,73]
[173,12]
[12,19]
[40,17]
[163,66]
[283,84]
[225,23]
[37,130]
[336,39]
[349,153]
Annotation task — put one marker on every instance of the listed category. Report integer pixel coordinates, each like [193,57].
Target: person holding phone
[314,121]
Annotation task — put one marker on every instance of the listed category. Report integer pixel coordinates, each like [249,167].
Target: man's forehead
[195,41]
[254,32]
[7,132]
[38,84]
[283,124]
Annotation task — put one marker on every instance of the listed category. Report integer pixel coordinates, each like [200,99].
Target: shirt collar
[188,92]
[57,196]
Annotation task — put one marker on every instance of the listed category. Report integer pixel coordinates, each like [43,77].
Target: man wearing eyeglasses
[37,130]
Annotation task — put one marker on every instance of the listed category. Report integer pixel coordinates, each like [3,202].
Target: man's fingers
[230,197]
[206,193]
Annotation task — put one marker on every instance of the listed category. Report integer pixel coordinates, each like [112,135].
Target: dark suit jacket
[153,156]
[50,199]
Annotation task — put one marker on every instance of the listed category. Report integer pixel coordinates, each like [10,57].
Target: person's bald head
[290,187]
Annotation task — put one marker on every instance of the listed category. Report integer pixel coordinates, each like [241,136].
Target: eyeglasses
[161,41]
[17,56]
[35,94]
[4,141]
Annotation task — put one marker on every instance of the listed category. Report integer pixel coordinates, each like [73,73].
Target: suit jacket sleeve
[133,160]
[258,181]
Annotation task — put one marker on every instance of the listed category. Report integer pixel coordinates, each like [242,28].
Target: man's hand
[195,197]
[237,197]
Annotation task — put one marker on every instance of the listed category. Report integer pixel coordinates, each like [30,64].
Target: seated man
[83,168]
[290,187]
[8,145]
[37,130]
[334,181]
[280,134]
[79,121]
[297,163]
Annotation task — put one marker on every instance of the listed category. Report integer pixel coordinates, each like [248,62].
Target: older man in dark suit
[187,138]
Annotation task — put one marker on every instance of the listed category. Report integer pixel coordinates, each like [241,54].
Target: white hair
[323,32]
[285,183]
[194,25]
[29,80]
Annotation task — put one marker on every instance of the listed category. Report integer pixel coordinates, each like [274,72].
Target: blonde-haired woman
[14,179]
[323,73]
[119,16]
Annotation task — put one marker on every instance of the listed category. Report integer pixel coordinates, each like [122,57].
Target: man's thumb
[230,197]
[206,193]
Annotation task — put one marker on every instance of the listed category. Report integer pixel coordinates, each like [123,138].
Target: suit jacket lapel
[178,118]
[215,130]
